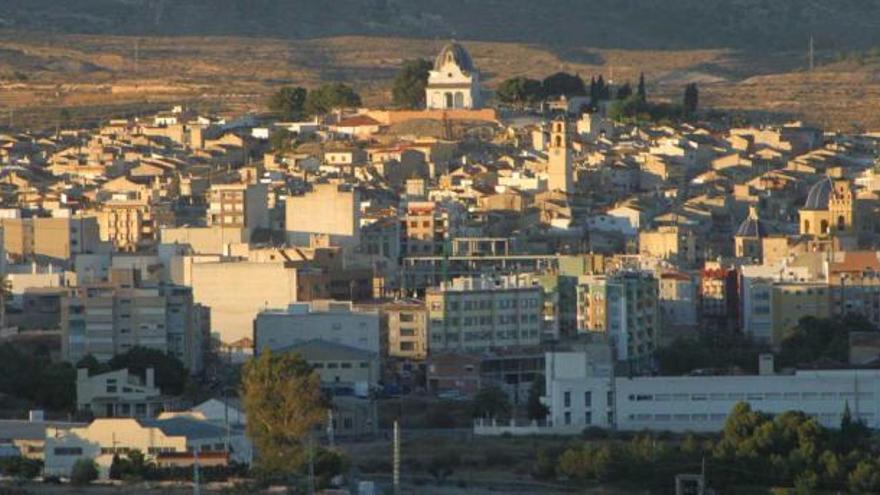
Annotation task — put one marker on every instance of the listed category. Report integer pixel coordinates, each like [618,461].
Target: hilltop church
[454,83]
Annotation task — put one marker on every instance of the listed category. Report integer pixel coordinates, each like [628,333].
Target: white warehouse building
[582,394]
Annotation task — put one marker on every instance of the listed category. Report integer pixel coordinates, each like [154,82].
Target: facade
[118,394]
[624,309]
[679,299]
[582,394]
[343,370]
[454,82]
[51,239]
[327,210]
[334,322]
[105,319]
[407,330]
[238,206]
[426,229]
[479,314]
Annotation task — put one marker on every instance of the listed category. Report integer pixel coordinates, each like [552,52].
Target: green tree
[563,83]
[624,92]
[865,478]
[491,402]
[408,89]
[691,99]
[329,463]
[535,409]
[520,91]
[815,339]
[330,96]
[288,102]
[281,394]
[282,140]
[171,375]
[84,472]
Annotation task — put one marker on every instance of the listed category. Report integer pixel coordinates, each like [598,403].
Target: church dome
[753,226]
[819,195]
[455,52]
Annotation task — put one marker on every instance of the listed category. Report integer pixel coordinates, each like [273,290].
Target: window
[332,366]
[566,399]
[588,417]
[567,418]
[68,451]
[346,365]
[588,400]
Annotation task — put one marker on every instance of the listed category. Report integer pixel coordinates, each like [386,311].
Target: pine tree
[691,99]
[642,94]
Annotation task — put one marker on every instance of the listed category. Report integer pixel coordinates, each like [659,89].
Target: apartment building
[238,206]
[623,308]
[108,318]
[327,210]
[407,329]
[50,238]
[479,314]
[426,228]
[332,321]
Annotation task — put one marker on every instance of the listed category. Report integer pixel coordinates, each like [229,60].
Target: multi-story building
[679,296]
[582,393]
[118,394]
[333,321]
[105,319]
[130,223]
[674,243]
[327,210]
[479,314]
[238,206]
[407,323]
[50,238]
[623,308]
[719,295]
[425,229]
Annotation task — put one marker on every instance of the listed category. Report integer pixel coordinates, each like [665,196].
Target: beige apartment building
[54,238]
[327,210]
[479,314]
[407,326]
[238,206]
[105,319]
[670,243]
[130,224]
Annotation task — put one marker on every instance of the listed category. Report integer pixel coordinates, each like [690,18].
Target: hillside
[632,24]
[44,76]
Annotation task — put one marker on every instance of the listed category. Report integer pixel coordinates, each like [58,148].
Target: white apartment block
[479,314]
[331,321]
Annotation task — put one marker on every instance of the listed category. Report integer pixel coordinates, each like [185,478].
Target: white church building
[454,83]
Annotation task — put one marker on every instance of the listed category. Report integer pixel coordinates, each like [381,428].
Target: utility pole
[197,488]
[396,475]
[311,464]
[812,54]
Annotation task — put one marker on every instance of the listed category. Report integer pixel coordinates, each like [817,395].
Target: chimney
[765,364]
[151,378]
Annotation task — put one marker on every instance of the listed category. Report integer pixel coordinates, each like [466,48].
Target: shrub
[84,472]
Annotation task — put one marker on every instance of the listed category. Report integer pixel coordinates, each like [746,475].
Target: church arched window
[806,226]
[823,227]
[459,99]
[841,223]
[559,141]
[449,101]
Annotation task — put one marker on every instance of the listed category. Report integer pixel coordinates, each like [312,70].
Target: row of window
[343,365]
[793,396]
[485,304]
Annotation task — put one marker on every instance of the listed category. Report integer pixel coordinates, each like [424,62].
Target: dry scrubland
[94,77]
